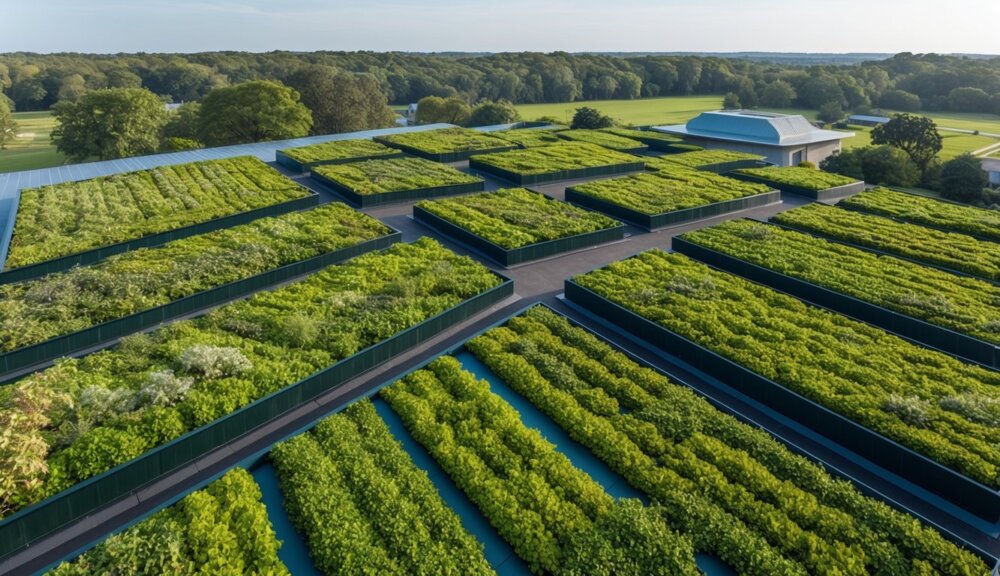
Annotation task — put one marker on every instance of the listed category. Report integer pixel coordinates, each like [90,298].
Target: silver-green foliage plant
[63,219]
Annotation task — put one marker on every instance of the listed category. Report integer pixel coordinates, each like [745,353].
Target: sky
[111,26]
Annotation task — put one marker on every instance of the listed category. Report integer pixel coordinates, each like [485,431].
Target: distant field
[954,143]
[670,110]
[34,151]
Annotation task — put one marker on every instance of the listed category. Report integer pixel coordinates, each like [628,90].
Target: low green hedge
[799,177]
[516,217]
[374,177]
[947,216]
[602,138]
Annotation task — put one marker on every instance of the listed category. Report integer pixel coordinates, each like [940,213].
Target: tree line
[905,82]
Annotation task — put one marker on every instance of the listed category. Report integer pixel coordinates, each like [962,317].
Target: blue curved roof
[754,127]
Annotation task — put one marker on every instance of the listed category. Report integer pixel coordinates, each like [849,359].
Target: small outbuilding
[783,139]
[866,120]
[992,168]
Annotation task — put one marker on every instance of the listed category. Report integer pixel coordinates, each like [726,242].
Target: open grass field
[643,112]
[34,149]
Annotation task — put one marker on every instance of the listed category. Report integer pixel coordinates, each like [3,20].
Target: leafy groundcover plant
[222,529]
[948,249]
[338,151]
[528,138]
[555,516]
[555,158]
[965,305]
[700,158]
[63,219]
[516,217]
[393,175]
[84,416]
[446,140]
[730,488]
[602,138]
[923,399]
[799,177]
[643,135]
[65,302]
[929,212]
[350,471]
[674,188]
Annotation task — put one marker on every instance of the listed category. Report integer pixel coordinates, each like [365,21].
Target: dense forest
[905,81]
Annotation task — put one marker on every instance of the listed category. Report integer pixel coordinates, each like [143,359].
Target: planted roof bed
[556,162]
[672,196]
[334,152]
[809,182]
[446,144]
[605,139]
[395,180]
[718,161]
[655,140]
[515,225]
[73,223]
[529,138]
[940,214]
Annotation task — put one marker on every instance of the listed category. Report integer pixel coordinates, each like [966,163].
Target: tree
[252,112]
[846,162]
[8,128]
[123,78]
[888,166]
[831,112]
[963,179]
[183,122]
[731,102]
[915,135]
[341,101]
[452,110]
[819,90]
[489,113]
[109,123]
[899,100]
[590,119]
[777,94]
[72,87]
[968,99]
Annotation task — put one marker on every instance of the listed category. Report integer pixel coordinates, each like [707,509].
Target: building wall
[994,178]
[779,155]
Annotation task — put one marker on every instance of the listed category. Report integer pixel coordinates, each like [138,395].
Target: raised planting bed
[605,139]
[350,471]
[66,312]
[718,161]
[732,488]
[335,152]
[77,223]
[956,314]
[670,197]
[914,411]
[809,182]
[515,225]
[940,214]
[374,182]
[446,144]
[122,418]
[655,140]
[950,251]
[221,529]
[529,138]
[556,162]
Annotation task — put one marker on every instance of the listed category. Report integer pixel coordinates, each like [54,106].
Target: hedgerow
[844,365]
[555,158]
[84,416]
[63,219]
[65,302]
[222,529]
[552,514]
[528,138]
[516,217]
[601,138]
[929,212]
[808,178]
[965,305]
[735,491]
[350,471]
[338,150]
[949,249]
[669,190]
[393,175]
[699,158]
[446,140]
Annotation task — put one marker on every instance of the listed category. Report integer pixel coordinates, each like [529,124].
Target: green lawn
[643,112]
[954,143]
[34,149]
